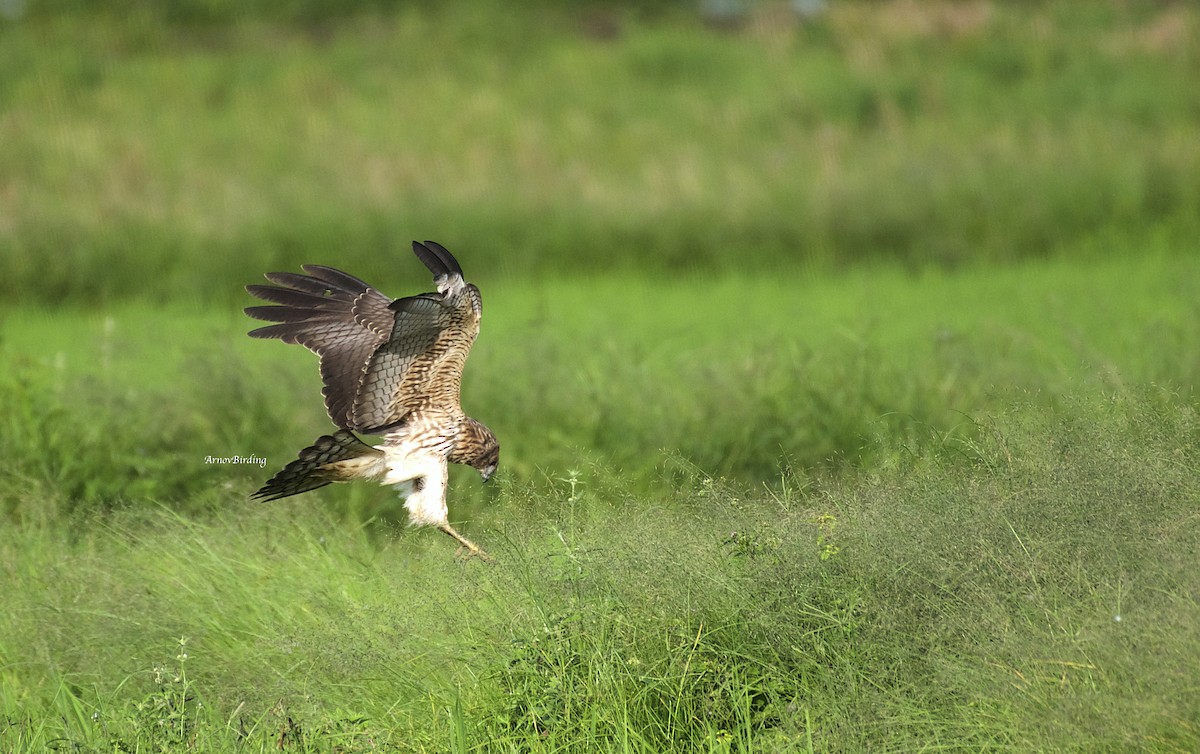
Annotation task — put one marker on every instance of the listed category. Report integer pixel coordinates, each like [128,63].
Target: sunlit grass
[1004,603]
[741,376]
[915,516]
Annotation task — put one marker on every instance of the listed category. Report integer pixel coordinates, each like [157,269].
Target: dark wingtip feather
[435,256]
[429,259]
[285,332]
[288,314]
[445,255]
[287,296]
[335,277]
[296,281]
[256,312]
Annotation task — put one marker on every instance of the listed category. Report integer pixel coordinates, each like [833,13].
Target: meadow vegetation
[845,372]
[957,134]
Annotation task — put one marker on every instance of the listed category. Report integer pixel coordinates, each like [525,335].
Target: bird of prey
[390,368]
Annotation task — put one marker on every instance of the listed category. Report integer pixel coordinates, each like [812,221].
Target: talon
[465,544]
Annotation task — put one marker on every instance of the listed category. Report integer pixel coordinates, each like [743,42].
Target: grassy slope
[973,565]
[132,151]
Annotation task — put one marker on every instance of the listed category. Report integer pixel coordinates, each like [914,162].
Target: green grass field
[845,374]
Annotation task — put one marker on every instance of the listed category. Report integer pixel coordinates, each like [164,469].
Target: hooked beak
[487,473]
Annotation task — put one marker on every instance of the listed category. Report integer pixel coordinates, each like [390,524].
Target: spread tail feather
[332,458]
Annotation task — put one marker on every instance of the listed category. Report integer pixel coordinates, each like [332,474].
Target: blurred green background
[167,150]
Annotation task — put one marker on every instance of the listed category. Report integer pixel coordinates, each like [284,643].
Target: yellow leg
[470,546]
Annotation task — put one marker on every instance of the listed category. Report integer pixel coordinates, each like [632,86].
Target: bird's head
[487,465]
[478,448]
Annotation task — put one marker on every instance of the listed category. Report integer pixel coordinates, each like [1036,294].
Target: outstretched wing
[337,316]
[379,359]
[420,366]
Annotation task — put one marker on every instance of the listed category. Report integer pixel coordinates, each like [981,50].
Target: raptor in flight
[390,368]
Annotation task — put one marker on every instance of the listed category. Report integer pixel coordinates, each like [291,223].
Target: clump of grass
[88,439]
[1030,561]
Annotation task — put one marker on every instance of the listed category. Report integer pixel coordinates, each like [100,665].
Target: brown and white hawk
[390,368]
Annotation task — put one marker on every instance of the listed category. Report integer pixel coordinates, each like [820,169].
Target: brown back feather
[380,360]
